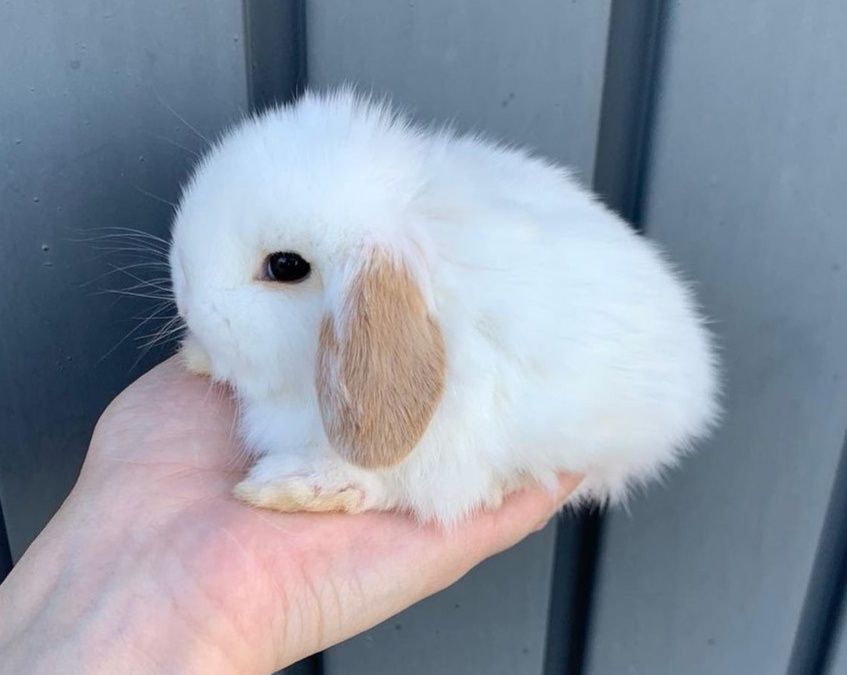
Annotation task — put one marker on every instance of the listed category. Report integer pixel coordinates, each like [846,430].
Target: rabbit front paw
[300,493]
[329,486]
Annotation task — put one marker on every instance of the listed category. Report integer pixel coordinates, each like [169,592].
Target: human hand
[152,566]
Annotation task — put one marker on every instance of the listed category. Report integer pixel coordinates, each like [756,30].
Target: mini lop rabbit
[422,321]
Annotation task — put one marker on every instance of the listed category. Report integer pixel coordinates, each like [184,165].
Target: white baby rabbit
[422,321]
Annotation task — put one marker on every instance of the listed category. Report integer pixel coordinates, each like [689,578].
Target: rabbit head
[300,273]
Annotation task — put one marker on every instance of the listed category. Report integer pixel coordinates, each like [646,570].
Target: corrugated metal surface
[735,166]
[532,76]
[746,191]
[88,140]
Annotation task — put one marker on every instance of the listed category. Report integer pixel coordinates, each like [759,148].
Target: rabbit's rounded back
[473,316]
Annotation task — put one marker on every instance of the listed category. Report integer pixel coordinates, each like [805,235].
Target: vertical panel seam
[823,606]
[246,20]
[656,60]
[275,51]
[5,549]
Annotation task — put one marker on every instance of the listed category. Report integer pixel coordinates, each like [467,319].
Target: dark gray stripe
[823,606]
[577,543]
[275,40]
[5,552]
[630,91]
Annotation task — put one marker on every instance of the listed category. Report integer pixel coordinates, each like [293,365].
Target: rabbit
[417,320]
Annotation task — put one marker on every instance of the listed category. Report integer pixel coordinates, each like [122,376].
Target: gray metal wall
[86,137]
[746,190]
[718,127]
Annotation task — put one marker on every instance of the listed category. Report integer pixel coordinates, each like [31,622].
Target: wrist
[90,598]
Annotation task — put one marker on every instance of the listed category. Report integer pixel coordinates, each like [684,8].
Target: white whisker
[120,230]
[155,313]
[132,249]
[133,294]
[124,339]
[156,282]
[172,142]
[157,197]
[182,119]
[162,339]
[126,239]
[123,268]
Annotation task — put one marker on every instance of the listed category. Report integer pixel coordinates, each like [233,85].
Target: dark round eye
[287,267]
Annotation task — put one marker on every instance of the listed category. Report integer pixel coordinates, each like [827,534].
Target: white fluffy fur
[571,344]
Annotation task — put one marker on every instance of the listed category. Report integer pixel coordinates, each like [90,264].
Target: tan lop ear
[380,367]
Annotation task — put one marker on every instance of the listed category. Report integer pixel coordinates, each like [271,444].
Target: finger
[522,514]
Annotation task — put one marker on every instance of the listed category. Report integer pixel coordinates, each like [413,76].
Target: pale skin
[151,566]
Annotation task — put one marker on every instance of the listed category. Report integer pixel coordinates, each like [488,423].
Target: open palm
[257,590]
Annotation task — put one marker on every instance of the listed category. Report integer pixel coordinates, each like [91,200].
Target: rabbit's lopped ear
[381,365]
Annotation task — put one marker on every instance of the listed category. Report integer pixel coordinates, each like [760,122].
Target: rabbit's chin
[194,358]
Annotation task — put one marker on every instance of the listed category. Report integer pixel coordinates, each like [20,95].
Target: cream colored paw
[194,358]
[299,494]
